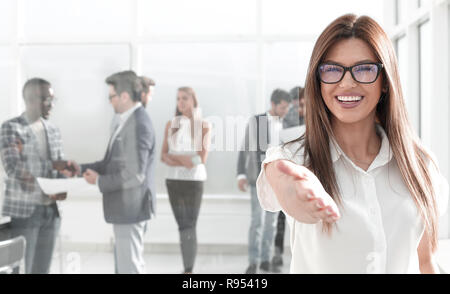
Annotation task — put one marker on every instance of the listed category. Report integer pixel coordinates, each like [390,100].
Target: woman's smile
[349,100]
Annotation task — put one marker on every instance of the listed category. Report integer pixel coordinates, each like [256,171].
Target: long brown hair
[178,114]
[391,113]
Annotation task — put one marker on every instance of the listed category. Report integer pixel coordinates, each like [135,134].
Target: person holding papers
[31,147]
[125,176]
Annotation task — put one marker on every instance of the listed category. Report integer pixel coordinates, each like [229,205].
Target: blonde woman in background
[185,150]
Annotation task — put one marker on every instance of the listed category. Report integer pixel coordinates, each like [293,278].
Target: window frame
[432,110]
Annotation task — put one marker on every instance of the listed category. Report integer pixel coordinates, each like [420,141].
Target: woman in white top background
[360,192]
[185,150]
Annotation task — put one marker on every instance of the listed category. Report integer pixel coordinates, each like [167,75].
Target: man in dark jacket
[262,131]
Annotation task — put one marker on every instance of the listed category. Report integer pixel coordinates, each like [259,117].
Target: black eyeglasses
[49,100]
[112,96]
[364,73]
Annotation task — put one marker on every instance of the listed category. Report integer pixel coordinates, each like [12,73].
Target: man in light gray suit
[261,132]
[125,176]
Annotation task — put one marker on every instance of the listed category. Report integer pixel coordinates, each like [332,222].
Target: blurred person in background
[148,90]
[296,114]
[295,117]
[125,176]
[185,150]
[261,132]
[31,147]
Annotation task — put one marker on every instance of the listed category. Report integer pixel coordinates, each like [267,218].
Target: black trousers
[185,198]
[279,237]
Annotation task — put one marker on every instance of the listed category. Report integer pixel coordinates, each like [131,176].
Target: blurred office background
[233,53]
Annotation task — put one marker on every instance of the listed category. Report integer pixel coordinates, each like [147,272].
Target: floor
[103,263]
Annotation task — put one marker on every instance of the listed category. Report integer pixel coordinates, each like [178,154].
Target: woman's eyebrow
[358,62]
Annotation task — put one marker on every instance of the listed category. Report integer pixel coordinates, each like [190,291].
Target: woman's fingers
[303,193]
[321,200]
[320,210]
[325,213]
[291,169]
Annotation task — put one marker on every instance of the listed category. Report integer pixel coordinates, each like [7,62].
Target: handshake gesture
[300,193]
[68,168]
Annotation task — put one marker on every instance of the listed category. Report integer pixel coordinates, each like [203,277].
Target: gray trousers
[40,231]
[129,248]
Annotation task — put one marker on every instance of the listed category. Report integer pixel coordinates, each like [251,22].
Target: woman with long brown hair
[361,193]
[185,150]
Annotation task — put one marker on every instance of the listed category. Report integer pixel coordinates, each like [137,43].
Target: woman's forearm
[171,160]
[429,267]
[179,159]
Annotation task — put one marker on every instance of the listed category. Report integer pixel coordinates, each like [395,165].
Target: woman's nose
[347,81]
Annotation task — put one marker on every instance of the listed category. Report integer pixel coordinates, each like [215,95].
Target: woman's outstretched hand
[300,193]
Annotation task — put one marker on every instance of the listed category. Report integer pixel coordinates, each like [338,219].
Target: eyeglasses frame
[349,68]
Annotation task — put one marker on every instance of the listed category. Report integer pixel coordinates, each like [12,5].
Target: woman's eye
[331,69]
[364,68]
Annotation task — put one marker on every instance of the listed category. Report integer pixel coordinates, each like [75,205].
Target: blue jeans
[262,231]
[40,231]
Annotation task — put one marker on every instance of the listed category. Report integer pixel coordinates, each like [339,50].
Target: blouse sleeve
[266,195]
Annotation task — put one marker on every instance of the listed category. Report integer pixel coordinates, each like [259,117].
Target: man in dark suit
[125,176]
[262,131]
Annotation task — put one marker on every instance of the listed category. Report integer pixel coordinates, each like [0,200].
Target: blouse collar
[382,158]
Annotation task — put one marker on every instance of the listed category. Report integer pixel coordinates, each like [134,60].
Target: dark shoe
[251,270]
[277,260]
[267,267]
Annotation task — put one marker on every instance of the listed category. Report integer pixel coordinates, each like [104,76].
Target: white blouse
[380,227]
[182,143]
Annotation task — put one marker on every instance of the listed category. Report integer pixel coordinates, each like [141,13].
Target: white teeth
[349,98]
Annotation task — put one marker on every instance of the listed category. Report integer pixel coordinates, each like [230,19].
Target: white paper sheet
[73,186]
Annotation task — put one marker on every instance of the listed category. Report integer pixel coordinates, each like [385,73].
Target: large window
[233,53]
[420,30]
[198,17]
[285,17]
[224,76]
[425,78]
